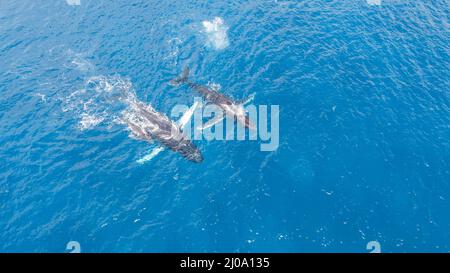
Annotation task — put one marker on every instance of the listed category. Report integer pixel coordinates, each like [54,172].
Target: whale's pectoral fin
[187,115]
[211,122]
[247,100]
[154,152]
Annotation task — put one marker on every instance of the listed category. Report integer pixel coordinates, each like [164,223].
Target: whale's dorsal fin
[181,79]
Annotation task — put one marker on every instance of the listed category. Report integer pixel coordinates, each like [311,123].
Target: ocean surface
[364,152]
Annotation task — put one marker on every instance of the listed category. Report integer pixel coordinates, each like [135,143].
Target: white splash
[89,121]
[374,2]
[214,86]
[173,50]
[41,96]
[216,31]
[74,2]
[82,64]
[101,101]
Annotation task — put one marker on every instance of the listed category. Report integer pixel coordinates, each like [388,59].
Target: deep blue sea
[364,152]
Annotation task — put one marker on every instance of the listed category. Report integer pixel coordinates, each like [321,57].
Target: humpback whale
[229,106]
[146,124]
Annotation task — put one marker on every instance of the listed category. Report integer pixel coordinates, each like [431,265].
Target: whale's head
[190,151]
[196,156]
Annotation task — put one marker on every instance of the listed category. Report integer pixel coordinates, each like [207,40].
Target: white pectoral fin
[187,115]
[154,152]
[211,122]
[247,100]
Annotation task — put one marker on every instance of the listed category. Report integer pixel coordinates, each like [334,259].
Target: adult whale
[229,106]
[145,123]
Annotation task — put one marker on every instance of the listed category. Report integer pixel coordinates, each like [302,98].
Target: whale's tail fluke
[181,79]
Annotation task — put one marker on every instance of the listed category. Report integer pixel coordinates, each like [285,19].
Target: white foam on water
[374,2]
[82,64]
[73,2]
[41,96]
[214,86]
[102,100]
[73,60]
[216,31]
[174,49]
[89,121]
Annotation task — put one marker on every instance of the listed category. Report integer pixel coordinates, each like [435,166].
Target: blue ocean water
[364,150]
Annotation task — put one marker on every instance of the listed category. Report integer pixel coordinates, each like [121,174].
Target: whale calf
[228,105]
[146,124]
